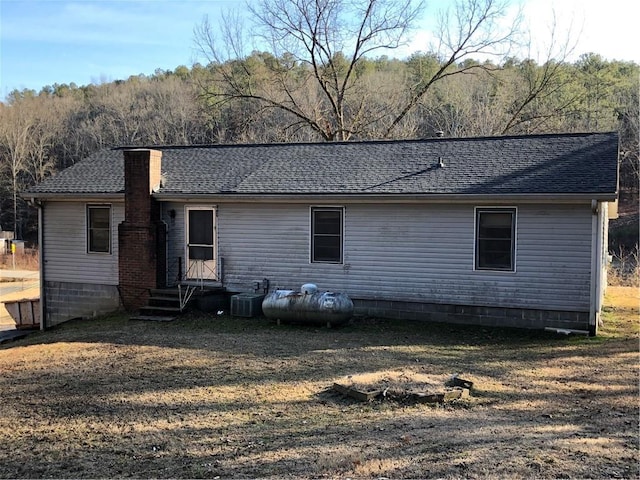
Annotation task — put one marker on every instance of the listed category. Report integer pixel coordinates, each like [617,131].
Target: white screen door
[201,245]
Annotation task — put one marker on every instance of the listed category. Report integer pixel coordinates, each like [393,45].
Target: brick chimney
[140,236]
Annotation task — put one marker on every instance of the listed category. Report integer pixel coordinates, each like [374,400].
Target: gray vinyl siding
[65,245]
[420,253]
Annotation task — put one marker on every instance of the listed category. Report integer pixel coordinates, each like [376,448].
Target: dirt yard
[239,398]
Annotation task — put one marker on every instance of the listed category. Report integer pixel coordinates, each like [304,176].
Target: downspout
[166,245]
[43,309]
[596,266]
[601,262]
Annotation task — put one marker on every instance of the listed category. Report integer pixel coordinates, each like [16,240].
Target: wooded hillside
[43,132]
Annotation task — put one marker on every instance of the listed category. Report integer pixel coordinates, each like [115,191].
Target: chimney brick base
[136,264]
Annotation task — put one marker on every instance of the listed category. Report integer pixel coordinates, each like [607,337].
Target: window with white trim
[326,234]
[99,228]
[495,239]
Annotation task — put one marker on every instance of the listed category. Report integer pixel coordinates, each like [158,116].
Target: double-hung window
[326,234]
[99,228]
[495,239]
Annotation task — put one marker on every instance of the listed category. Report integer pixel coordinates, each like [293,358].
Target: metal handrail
[195,272]
[184,299]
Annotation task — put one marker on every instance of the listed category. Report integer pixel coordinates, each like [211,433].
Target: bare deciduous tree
[318,46]
[16,126]
[470,29]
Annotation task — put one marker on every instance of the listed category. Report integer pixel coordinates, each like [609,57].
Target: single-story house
[505,231]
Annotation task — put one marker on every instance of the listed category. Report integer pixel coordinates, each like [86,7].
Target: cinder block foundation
[65,300]
[473,315]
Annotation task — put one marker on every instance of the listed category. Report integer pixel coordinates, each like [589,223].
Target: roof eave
[72,197]
[387,198]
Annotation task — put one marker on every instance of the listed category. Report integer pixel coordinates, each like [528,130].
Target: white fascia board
[385,198]
[68,197]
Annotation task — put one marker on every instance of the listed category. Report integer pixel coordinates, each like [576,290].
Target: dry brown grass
[27,260]
[235,398]
[624,270]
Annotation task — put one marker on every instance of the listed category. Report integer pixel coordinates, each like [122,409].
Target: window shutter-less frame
[326,234]
[495,239]
[99,228]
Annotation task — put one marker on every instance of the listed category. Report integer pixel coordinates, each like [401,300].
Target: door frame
[213,271]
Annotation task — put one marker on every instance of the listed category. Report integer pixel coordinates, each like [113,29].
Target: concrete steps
[164,304]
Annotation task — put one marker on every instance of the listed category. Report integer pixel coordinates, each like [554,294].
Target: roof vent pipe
[440,162]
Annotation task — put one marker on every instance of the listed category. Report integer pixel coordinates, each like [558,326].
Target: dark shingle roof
[537,164]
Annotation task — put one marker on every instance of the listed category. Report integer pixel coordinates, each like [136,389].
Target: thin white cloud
[102,22]
[584,26]
[605,28]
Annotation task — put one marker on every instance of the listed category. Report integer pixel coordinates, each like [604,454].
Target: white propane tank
[309,289]
[313,308]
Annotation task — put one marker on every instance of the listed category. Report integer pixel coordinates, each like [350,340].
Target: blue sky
[43,42]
